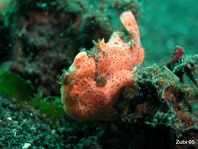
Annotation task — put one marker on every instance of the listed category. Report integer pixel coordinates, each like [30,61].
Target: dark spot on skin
[101,81]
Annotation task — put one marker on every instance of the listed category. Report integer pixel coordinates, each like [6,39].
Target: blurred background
[165,24]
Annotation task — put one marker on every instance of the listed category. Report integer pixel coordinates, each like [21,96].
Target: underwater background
[39,40]
[166,24]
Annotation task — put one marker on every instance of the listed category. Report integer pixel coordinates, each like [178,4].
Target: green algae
[14,86]
[50,108]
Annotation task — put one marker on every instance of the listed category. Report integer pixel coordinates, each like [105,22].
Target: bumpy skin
[92,84]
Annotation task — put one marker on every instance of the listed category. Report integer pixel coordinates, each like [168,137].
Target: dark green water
[166,24]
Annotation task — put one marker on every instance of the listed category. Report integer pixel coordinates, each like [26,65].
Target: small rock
[26,145]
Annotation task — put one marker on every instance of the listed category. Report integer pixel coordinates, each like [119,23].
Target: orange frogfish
[92,84]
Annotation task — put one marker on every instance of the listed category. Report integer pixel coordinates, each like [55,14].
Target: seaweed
[13,85]
[50,108]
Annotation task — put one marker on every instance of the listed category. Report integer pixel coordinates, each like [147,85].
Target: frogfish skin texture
[92,84]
